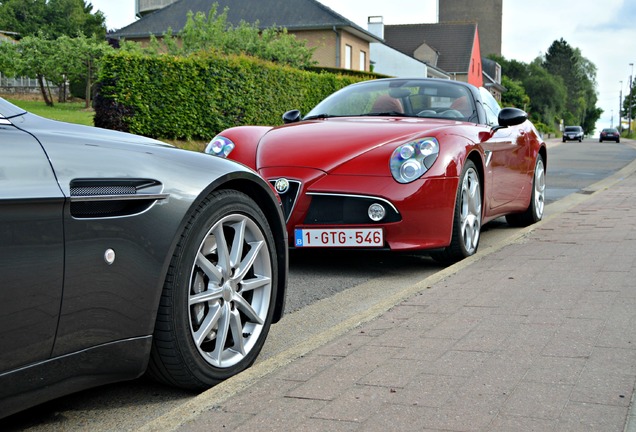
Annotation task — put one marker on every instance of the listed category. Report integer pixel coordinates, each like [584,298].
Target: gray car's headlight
[410,161]
[220,146]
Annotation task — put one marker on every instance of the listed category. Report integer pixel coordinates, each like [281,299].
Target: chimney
[375,25]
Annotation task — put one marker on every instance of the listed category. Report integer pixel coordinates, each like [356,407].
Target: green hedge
[197,97]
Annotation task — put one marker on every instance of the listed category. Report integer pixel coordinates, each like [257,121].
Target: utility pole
[630,100]
[620,109]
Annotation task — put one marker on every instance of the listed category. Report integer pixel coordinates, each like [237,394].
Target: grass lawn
[74,112]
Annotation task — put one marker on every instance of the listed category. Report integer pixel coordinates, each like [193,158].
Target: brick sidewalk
[539,335]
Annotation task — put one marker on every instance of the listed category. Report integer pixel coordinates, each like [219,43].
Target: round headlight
[376,212]
[428,147]
[407,151]
[410,170]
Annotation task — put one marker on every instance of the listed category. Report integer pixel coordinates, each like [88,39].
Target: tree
[23,17]
[31,57]
[547,93]
[53,61]
[214,33]
[515,95]
[51,19]
[579,76]
[76,59]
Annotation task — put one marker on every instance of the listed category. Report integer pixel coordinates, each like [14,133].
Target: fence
[21,85]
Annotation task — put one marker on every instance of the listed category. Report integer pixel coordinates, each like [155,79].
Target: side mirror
[292,116]
[511,117]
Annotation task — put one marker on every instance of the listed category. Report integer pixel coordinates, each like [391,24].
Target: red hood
[326,144]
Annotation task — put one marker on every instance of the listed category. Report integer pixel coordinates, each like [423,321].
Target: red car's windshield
[412,98]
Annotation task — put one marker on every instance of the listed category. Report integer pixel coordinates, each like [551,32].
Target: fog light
[376,212]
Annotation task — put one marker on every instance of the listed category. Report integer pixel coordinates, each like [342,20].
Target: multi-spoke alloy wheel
[534,212]
[467,219]
[219,296]
[470,211]
[230,290]
[538,197]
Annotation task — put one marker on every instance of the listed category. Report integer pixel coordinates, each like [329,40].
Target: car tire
[467,218]
[218,299]
[534,212]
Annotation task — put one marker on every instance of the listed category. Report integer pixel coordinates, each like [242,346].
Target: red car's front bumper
[420,213]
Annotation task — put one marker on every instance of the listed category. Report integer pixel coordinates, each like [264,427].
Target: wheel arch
[543,152]
[256,188]
[262,195]
[476,158]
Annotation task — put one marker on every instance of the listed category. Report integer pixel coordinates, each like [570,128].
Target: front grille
[103,190]
[289,197]
[346,209]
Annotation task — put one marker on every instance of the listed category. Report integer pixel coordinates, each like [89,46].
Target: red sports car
[398,164]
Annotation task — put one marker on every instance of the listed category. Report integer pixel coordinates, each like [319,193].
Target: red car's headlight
[410,161]
[220,146]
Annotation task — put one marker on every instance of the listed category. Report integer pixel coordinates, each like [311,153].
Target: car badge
[282,185]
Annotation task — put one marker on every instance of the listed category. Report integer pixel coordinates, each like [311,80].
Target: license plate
[346,237]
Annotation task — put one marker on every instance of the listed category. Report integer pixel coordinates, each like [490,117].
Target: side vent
[105,198]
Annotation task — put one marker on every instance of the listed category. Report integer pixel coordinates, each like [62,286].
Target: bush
[198,96]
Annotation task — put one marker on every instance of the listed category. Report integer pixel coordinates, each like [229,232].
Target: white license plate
[339,237]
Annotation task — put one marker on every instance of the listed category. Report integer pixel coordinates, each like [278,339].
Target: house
[338,41]
[492,78]
[488,14]
[451,47]
[389,61]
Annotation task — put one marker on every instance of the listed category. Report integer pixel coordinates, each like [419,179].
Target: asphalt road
[325,289]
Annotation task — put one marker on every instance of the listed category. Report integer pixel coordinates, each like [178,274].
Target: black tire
[467,218]
[534,212]
[219,295]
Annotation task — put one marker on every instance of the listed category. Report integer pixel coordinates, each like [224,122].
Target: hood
[326,144]
[41,127]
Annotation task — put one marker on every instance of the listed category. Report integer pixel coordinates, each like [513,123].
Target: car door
[31,249]
[505,154]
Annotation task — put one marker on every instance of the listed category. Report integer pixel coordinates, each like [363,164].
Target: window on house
[363,61]
[348,54]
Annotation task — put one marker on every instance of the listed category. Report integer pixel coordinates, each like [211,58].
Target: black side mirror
[292,116]
[511,117]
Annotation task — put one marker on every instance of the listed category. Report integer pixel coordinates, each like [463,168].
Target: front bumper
[419,214]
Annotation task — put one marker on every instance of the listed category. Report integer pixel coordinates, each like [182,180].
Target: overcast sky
[604,31]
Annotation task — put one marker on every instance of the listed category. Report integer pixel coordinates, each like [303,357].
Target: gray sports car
[120,255]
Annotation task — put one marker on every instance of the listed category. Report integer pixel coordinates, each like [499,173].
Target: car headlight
[411,160]
[220,146]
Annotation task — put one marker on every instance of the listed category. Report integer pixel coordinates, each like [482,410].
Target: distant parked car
[610,134]
[573,133]
[121,254]
[398,164]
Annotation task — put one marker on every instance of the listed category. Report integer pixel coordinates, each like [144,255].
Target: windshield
[572,129]
[403,98]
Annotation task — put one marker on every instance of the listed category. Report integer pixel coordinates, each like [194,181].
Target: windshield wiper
[386,113]
[320,116]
